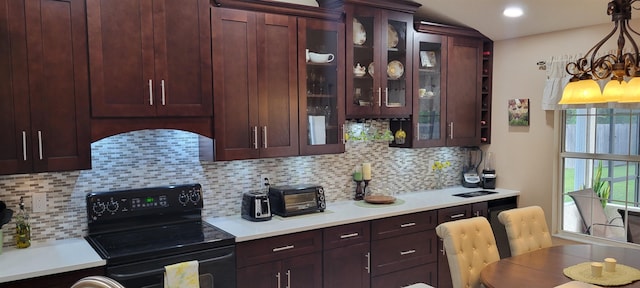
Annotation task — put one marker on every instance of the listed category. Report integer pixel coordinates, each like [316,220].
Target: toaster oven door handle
[278,249]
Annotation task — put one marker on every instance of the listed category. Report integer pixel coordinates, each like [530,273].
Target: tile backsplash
[150,158]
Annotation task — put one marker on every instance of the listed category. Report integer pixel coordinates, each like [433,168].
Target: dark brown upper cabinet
[150,58]
[450,105]
[321,86]
[44,102]
[379,61]
[256,84]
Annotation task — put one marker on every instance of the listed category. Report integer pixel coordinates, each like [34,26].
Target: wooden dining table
[543,267]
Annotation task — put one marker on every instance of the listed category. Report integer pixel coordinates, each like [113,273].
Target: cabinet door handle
[264,135]
[150,92]
[379,96]
[255,137]
[368,268]
[417,131]
[40,144]
[386,96]
[288,278]
[477,213]
[407,252]
[344,236]
[405,225]
[162,90]
[278,249]
[457,216]
[451,131]
[278,277]
[24,145]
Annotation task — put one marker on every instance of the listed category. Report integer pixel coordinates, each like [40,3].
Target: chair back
[594,220]
[97,282]
[526,228]
[470,246]
[633,225]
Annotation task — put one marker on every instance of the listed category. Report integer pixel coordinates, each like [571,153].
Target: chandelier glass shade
[618,66]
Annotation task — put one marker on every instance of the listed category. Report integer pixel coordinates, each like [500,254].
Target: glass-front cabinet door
[429,90]
[379,61]
[321,82]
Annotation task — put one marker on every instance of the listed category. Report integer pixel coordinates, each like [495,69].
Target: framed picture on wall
[518,112]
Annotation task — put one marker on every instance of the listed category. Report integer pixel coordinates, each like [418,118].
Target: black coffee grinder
[489,173]
[473,158]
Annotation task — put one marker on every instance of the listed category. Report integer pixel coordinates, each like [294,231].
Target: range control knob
[194,196]
[183,198]
[113,206]
[98,208]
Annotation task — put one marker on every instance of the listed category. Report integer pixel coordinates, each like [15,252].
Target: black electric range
[139,231]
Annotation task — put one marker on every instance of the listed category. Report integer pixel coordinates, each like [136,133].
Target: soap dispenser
[23,229]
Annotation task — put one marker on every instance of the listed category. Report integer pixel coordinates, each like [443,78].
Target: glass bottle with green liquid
[23,229]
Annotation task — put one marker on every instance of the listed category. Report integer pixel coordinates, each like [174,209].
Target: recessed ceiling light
[512,12]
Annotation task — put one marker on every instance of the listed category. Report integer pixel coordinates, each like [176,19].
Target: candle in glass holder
[357,175]
[366,171]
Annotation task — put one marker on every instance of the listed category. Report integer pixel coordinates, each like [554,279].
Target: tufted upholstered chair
[526,229]
[470,246]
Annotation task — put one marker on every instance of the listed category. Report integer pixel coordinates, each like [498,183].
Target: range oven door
[217,269]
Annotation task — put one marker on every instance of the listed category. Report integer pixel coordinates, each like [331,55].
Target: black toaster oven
[298,199]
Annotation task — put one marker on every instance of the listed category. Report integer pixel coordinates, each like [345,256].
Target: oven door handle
[125,276]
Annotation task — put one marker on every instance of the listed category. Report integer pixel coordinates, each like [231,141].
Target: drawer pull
[405,225]
[407,252]
[278,277]
[283,248]
[349,235]
[457,216]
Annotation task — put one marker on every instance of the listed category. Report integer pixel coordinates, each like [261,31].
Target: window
[601,151]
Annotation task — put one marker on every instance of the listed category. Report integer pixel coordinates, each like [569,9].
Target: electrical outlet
[39,202]
[265,180]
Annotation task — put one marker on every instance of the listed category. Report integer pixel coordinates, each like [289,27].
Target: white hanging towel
[182,275]
[317,132]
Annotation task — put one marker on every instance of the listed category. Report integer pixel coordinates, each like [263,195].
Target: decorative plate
[392,37]
[359,33]
[370,69]
[379,199]
[395,69]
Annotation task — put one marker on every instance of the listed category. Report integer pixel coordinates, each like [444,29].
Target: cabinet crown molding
[283,8]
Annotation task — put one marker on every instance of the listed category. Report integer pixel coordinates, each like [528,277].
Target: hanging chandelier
[583,88]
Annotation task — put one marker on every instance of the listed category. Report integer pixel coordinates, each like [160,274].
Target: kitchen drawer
[454,213]
[420,274]
[344,235]
[278,247]
[402,252]
[403,224]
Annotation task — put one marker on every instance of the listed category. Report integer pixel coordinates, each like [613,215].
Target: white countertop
[345,212]
[47,258]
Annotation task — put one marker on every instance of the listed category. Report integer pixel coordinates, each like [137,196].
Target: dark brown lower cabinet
[427,273]
[299,271]
[347,267]
[293,260]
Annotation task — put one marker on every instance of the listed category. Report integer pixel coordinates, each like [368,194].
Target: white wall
[524,155]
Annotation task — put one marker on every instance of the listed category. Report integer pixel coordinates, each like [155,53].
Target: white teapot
[359,70]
